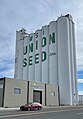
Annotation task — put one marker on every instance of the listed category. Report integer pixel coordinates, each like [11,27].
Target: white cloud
[80,60]
[80,80]
[80,93]
[7,73]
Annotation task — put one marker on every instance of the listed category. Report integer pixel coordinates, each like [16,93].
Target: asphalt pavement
[48,112]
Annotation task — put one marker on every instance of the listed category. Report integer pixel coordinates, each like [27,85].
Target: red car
[31,106]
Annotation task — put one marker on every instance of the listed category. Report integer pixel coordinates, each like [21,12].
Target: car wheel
[38,108]
[22,109]
[26,109]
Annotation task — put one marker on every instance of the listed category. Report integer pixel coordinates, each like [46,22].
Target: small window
[17,91]
[15,60]
[14,75]
[52,93]
[1,86]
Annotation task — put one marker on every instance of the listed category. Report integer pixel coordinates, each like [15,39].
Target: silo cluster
[48,56]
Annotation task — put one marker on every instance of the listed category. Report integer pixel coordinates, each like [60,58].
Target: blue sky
[32,15]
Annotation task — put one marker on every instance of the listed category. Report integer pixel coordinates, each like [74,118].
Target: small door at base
[37,96]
